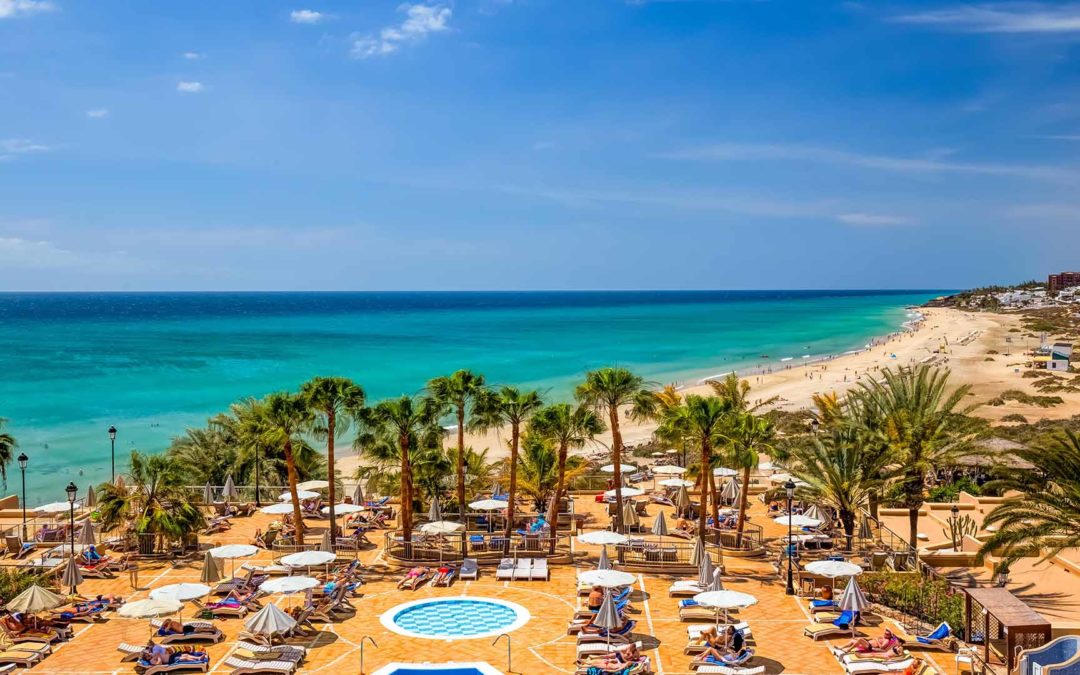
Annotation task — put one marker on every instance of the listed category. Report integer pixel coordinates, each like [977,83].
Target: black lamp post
[72,491]
[112,443]
[23,459]
[258,503]
[789,486]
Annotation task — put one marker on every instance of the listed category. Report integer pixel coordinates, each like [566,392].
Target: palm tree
[567,427]
[508,406]
[737,391]
[204,455]
[839,471]
[152,501]
[337,402]
[8,445]
[605,391]
[458,392]
[286,416]
[700,420]
[923,422]
[1044,519]
[401,426]
[748,437]
[539,471]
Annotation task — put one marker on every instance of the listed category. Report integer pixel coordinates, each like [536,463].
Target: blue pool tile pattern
[455,618]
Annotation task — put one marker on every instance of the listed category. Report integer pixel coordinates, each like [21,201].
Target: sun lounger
[841,626]
[539,570]
[201,631]
[239,610]
[697,613]
[250,667]
[695,644]
[592,649]
[685,588]
[444,578]
[130,651]
[19,658]
[180,666]
[286,652]
[522,569]
[730,661]
[731,670]
[252,655]
[696,629]
[413,583]
[505,570]
[469,569]
[817,606]
[622,635]
[18,548]
[870,666]
[939,638]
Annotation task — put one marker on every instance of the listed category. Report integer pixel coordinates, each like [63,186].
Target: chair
[274,649]
[731,661]
[505,570]
[597,648]
[685,588]
[202,631]
[444,578]
[469,569]
[250,667]
[18,548]
[19,658]
[201,666]
[843,624]
[939,638]
[539,570]
[523,569]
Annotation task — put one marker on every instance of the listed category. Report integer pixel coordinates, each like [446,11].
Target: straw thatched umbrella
[72,577]
[35,599]
[210,572]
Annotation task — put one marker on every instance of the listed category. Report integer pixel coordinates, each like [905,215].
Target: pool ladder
[373,644]
[509,667]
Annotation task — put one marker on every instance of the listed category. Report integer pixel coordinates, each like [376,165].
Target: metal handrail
[373,643]
[509,640]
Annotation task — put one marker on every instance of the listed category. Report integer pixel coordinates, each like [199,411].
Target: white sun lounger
[593,648]
[685,587]
[732,670]
[696,629]
[863,667]
[505,570]
[523,569]
[469,569]
[539,570]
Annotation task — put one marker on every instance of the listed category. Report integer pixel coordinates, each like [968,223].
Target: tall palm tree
[539,471]
[458,392]
[839,471]
[151,501]
[1044,519]
[605,391]
[748,436]
[401,425]
[287,416]
[923,422]
[336,402]
[700,420]
[507,406]
[8,445]
[731,388]
[567,427]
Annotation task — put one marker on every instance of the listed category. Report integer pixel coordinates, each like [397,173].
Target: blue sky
[519,144]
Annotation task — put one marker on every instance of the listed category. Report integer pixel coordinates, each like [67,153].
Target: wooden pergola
[1003,623]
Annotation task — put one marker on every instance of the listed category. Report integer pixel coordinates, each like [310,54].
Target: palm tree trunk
[515,437]
[714,488]
[560,483]
[616,456]
[913,526]
[872,502]
[705,483]
[298,517]
[743,499]
[406,490]
[848,520]
[461,461]
[331,490]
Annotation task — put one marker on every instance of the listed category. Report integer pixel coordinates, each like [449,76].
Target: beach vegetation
[335,404]
[541,477]
[507,407]
[566,426]
[152,500]
[8,445]
[1025,398]
[748,437]
[930,599]
[457,393]
[1014,417]
[285,417]
[606,391]
[950,492]
[1044,519]
[14,581]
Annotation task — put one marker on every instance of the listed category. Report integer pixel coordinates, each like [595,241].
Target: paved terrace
[541,646]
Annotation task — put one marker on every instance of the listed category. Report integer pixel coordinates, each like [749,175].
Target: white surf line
[658,667]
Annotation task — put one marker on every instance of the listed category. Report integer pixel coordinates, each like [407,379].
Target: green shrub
[929,599]
[950,492]
[15,581]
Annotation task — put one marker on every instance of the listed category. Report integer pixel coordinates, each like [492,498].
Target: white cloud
[1060,137]
[97,113]
[825,155]
[420,20]
[306,16]
[189,87]
[27,253]
[10,9]
[10,148]
[872,219]
[1001,18]
[192,56]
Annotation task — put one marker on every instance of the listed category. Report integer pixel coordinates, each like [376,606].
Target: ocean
[152,364]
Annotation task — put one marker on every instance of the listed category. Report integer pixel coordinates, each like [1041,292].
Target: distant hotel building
[1059,282]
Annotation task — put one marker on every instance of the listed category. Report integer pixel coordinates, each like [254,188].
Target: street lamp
[789,487]
[23,459]
[112,442]
[258,503]
[72,491]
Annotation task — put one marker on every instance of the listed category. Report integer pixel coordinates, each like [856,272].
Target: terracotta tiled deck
[541,646]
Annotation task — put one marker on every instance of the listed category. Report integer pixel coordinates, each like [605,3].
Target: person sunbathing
[412,577]
[174,627]
[883,645]
[90,555]
[590,628]
[596,598]
[732,642]
[621,656]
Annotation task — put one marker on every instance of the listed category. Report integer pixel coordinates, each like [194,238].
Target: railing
[457,546]
[752,539]
[661,552]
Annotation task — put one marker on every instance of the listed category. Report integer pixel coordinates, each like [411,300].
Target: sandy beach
[964,342]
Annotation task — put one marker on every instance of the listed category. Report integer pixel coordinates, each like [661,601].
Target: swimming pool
[437,669]
[455,618]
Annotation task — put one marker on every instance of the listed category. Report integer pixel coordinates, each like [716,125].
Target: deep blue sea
[154,363]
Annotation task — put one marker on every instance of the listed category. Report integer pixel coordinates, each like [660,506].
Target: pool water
[455,618]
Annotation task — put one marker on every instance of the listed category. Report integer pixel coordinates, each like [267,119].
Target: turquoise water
[153,364]
[455,618]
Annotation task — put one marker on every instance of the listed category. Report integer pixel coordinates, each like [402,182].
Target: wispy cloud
[420,20]
[10,9]
[873,219]
[306,16]
[192,56]
[1059,137]
[826,155]
[189,87]
[27,253]
[1000,18]
[97,113]
[10,148]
